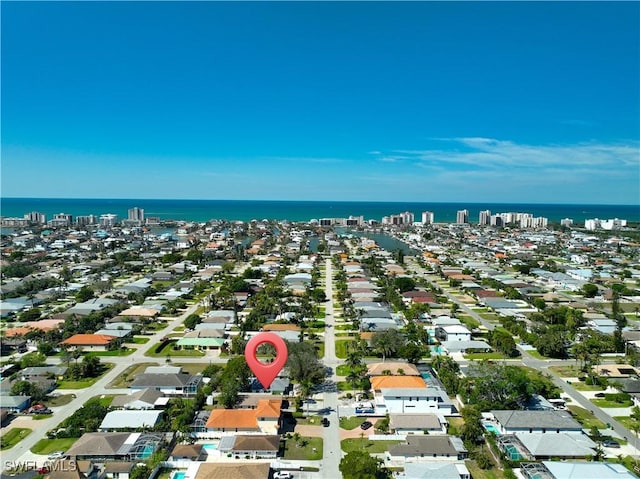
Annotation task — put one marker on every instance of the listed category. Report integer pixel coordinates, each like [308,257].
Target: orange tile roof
[269,408]
[232,419]
[380,382]
[21,331]
[89,340]
[245,418]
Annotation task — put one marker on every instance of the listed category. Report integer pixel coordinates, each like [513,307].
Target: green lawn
[341,348]
[312,450]
[47,446]
[115,352]
[168,351]
[468,321]
[535,354]
[626,421]
[608,403]
[586,418]
[319,345]
[138,340]
[13,436]
[59,400]
[308,421]
[343,370]
[477,473]
[581,386]
[364,444]
[490,316]
[566,371]
[481,356]
[129,375]
[350,423]
[85,383]
[40,417]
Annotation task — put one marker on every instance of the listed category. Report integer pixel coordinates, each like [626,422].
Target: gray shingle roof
[536,419]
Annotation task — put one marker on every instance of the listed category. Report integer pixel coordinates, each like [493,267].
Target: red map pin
[266,373]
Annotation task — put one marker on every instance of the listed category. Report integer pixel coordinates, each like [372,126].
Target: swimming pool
[209,447]
[491,428]
[178,475]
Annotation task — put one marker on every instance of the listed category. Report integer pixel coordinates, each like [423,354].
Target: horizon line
[475,202]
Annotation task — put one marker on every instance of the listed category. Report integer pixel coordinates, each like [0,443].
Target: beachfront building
[462,217]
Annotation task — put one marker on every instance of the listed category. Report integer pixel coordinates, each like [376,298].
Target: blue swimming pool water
[178,475]
[209,447]
[491,428]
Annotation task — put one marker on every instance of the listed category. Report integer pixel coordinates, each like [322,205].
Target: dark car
[611,443]
[600,395]
[325,422]
[365,425]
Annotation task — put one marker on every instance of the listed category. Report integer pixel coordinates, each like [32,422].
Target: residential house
[254,446]
[118,469]
[170,384]
[90,342]
[142,399]
[393,382]
[511,422]
[187,452]
[428,449]
[413,400]
[114,446]
[221,470]
[427,470]
[264,418]
[395,368]
[403,424]
[453,333]
[122,420]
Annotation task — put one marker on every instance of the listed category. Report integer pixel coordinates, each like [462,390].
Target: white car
[282,475]
[56,455]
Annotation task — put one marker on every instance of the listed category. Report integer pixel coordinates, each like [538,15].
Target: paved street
[332,452]
[21,452]
[540,365]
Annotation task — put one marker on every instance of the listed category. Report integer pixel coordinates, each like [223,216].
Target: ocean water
[235,210]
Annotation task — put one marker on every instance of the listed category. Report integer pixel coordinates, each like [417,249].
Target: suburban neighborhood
[507,348]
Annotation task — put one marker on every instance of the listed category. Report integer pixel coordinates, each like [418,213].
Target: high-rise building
[61,219]
[136,214]
[484,218]
[427,217]
[108,220]
[36,217]
[86,220]
[568,222]
[462,217]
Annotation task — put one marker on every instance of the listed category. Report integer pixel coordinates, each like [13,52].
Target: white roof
[588,470]
[130,419]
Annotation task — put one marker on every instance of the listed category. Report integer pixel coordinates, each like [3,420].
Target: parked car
[611,443]
[600,395]
[365,425]
[43,411]
[325,422]
[282,475]
[56,455]
[43,470]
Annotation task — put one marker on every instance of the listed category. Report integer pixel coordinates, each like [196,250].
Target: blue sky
[417,101]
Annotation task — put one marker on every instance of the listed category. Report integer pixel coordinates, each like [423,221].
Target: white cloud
[475,153]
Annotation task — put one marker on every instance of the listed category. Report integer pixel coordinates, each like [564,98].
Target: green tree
[26,388]
[191,321]
[471,430]
[589,290]
[360,465]
[303,363]
[404,283]
[388,342]
[413,352]
[84,294]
